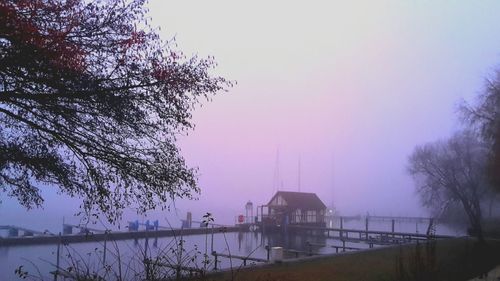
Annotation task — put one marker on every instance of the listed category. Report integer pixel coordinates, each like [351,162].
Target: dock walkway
[96,237]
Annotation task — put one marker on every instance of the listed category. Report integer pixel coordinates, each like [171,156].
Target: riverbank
[453,259]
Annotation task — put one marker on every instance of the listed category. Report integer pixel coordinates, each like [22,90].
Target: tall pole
[299,174]
[276,183]
[333,183]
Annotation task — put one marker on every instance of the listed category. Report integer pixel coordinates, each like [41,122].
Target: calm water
[125,256]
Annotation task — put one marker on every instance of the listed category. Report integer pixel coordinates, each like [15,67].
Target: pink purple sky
[350,87]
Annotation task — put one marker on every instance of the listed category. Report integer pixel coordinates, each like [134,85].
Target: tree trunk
[479,221]
[490,207]
[475,219]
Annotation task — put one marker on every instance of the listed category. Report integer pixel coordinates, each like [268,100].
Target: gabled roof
[300,200]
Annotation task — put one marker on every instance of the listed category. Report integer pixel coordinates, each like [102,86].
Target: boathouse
[295,208]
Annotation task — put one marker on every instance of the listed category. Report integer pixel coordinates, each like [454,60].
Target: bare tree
[453,171]
[485,116]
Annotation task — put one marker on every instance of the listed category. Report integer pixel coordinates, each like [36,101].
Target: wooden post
[341,225]
[392,228]
[214,253]
[57,258]
[105,249]
[212,243]
[343,245]
[262,218]
[285,227]
[366,227]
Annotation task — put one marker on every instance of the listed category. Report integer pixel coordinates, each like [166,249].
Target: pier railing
[243,258]
[368,236]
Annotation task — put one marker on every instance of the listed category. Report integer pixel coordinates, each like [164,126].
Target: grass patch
[453,259]
[491,227]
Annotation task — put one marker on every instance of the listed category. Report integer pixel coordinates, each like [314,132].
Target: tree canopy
[453,171]
[92,101]
[485,115]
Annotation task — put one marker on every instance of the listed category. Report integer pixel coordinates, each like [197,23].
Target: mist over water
[331,99]
[349,92]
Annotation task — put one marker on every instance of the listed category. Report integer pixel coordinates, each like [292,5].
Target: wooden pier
[14,231]
[243,258]
[337,248]
[367,236]
[387,218]
[44,238]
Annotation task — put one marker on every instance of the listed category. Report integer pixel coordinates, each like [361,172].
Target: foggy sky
[350,88]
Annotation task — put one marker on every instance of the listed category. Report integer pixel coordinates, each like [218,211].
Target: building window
[297,216]
[279,201]
[311,216]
